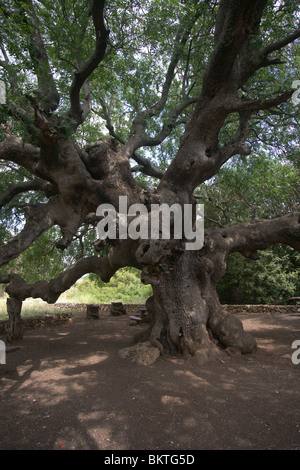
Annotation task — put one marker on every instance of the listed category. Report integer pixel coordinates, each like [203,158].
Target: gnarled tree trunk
[187,317]
[14,327]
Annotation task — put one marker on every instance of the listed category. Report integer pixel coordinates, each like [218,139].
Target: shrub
[125,286]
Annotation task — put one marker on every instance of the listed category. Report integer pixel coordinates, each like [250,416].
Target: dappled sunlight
[121,122]
[69,387]
[173,400]
[195,380]
[267,344]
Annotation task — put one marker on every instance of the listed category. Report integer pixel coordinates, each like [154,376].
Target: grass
[31,307]
[125,286]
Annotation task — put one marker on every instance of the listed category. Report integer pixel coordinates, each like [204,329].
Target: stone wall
[65,317]
[41,321]
[130,308]
[239,309]
[271,309]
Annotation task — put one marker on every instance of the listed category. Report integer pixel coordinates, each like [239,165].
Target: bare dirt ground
[67,388]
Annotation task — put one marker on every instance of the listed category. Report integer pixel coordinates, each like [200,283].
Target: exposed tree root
[223,332]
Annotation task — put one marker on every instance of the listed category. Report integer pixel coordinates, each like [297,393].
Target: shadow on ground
[67,388]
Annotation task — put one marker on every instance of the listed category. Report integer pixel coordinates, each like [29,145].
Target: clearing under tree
[75,179]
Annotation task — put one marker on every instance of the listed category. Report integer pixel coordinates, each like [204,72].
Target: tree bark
[14,327]
[187,317]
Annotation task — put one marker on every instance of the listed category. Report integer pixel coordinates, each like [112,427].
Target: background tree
[182,88]
[256,186]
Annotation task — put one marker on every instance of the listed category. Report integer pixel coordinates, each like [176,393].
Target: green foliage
[264,187]
[271,279]
[131,79]
[125,286]
[43,260]
[256,186]
[33,307]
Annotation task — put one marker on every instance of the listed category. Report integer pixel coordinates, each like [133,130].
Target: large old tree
[144,99]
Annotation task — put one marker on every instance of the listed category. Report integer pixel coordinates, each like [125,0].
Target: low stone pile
[41,321]
[271,309]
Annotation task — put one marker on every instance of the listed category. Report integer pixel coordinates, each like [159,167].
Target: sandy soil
[67,388]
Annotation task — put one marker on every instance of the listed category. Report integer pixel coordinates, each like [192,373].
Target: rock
[141,353]
[117,308]
[92,312]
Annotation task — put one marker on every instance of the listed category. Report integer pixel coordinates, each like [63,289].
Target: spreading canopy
[146,100]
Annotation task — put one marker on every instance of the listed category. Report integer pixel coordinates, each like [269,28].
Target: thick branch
[251,60]
[276,46]
[245,105]
[238,145]
[140,137]
[170,123]
[180,41]
[258,234]
[144,165]
[12,149]
[38,219]
[48,93]
[35,185]
[199,156]
[233,26]
[50,291]
[87,68]
[105,268]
